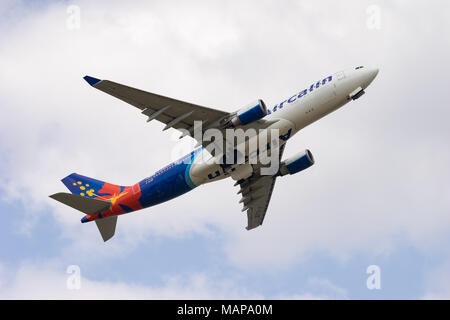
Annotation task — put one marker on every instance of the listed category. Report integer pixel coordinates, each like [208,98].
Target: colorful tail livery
[103,202]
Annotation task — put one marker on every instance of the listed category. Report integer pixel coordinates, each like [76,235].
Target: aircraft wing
[256,193]
[173,113]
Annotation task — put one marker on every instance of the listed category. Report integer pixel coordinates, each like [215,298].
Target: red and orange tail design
[123,198]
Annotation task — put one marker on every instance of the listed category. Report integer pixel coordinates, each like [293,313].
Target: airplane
[103,202]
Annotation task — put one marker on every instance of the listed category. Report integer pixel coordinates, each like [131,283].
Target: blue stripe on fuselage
[187,175]
[169,182]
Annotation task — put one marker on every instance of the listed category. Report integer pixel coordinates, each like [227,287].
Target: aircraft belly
[205,169]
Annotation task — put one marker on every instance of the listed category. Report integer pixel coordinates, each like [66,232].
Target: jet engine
[248,114]
[297,163]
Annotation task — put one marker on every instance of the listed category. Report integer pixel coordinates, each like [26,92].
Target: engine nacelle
[297,163]
[248,114]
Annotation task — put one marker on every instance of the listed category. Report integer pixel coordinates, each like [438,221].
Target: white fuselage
[296,112]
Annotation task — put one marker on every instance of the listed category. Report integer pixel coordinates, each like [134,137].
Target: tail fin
[89,187]
[90,196]
[106,226]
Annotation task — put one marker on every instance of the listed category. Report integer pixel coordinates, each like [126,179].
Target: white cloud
[50,281]
[438,283]
[382,162]
[326,285]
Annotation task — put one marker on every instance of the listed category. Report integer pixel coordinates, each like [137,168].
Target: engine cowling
[250,113]
[299,162]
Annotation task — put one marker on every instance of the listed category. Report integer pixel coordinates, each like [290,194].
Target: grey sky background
[378,192]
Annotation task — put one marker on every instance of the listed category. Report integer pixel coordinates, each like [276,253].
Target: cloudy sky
[378,194]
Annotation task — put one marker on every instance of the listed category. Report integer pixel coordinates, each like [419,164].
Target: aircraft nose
[373,73]
[369,76]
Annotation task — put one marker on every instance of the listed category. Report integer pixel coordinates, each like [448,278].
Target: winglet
[91,80]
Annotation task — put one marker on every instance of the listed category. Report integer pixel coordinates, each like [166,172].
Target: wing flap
[256,193]
[147,100]
[173,113]
[257,208]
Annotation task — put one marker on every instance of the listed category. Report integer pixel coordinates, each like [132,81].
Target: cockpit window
[360,67]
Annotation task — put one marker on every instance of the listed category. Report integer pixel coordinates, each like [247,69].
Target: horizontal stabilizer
[107,227]
[83,204]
